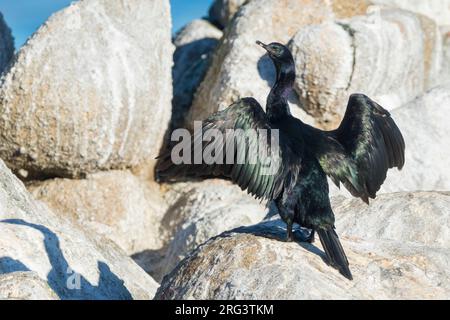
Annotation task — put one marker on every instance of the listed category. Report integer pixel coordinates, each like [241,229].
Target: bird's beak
[265,46]
[259,43]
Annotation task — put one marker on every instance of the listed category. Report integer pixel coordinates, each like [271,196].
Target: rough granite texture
[439,10]
[25,285]
[6,44]
[198,211]
[390,55]
[250,263]
[422,217]
[240,68]
[90,90]
[115,204]
[425,130]
[33,238]
[195,44]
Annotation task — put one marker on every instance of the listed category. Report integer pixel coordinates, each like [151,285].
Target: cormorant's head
[277,52]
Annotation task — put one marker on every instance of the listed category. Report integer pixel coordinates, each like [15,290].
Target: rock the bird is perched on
[357,154]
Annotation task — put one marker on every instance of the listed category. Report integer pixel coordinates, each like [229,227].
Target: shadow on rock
[66,282]
[276,229]
[8,265]
[191,62]
[266,69]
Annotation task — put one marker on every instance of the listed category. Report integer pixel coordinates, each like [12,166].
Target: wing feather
[249,175]
[372,142]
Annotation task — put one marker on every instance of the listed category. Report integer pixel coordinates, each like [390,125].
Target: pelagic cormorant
[357,154]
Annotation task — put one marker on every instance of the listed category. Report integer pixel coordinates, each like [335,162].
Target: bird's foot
[289,236]
[302,235]
[310,237]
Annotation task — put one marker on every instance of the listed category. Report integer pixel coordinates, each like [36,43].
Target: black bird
[357,154]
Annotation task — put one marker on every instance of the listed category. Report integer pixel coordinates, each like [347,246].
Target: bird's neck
[277,105]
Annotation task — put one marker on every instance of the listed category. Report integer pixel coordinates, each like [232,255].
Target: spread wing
[246,151]
[369,143]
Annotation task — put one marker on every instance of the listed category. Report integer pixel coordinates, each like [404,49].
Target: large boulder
[75,265]
[391,55]
[240,68]
[195,44]
[222,11]
[438,10]
[115,204]
[422,217]
[425,129]
[198,211]
[25,285]
[427,156]
[6,44]
[252,262]
[90,90]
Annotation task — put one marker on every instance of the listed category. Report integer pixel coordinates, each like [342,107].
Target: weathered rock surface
[6,44]
[392,56]
[386,264]
[427,155]
[422,217]
[439,10]
[90,90]
[195,44]
[222,11]
[115,204]
[445,72]
[23,285]
[240,68]
[33,238]
[197,212]
[426,136]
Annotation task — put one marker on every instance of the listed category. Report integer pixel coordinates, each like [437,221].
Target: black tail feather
[334,251]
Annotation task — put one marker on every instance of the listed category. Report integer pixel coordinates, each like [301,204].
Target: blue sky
[25,16]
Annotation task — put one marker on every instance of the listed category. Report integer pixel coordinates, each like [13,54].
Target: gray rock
[6,44]
[74,264]
[22,285]
[195,44]
[239,66]
[251,262]
[198,211]
[445,73]
[438,10]
[422,217]
[425,130]
[114,204]
[222,11]
[391,55]
[90,90]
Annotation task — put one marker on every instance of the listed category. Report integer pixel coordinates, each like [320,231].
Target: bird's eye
[275,50]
